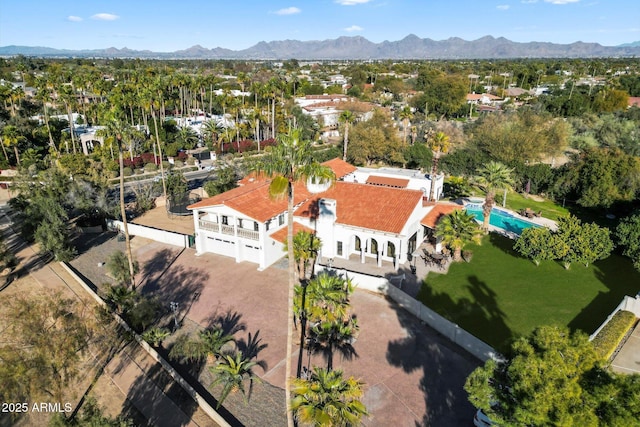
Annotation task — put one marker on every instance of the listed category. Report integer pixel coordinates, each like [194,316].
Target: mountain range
[358,48]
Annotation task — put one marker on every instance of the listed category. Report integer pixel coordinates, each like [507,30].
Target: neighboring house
[483,98]
[411,179]
[369,222]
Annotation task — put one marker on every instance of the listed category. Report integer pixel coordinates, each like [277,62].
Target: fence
[208,409]
[162,236]
[450,330]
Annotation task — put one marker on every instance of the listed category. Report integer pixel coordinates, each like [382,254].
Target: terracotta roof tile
[281,235]
[340,167]
[387,182]
[367,206]
[253,200]
[439,210]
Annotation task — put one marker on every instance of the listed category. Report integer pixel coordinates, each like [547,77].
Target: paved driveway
[627,361]
[413,376]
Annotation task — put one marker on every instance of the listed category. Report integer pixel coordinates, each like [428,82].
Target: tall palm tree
[290,161]
[346,117]
[11,138]
[439,143]
[328,399]
[492,177]
[232,372]
[456,230]
[305,248]
[116,130]
[210,342]
[405,115]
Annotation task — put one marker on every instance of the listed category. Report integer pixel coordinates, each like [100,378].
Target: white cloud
[353,28]
[105,17]
[288,11]
[503,7]
[351,2]
[529,1]
[561,1]
[74,18]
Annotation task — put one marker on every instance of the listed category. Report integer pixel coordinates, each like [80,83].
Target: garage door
[251,253]
[221,246]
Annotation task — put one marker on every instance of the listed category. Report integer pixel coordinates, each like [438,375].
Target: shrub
[126,171]
[139,171]
[166,164]
[467,255]
[191,161]
[178,163]
[610,336]
[150,167]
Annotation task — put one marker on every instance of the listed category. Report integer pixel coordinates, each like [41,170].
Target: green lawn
[517,202]
[500,295]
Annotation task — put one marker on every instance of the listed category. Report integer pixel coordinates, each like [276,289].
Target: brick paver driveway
[413,376]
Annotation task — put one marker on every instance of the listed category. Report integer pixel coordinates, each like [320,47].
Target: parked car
[480,419]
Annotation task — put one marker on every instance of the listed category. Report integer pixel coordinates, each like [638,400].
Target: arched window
[374,246]
[391,250]
[358,244]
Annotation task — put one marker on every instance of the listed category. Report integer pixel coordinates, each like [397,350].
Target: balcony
[248,234]
[209,226]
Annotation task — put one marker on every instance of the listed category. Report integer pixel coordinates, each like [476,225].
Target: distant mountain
[410,47]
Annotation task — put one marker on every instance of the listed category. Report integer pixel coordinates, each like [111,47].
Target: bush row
[610,336]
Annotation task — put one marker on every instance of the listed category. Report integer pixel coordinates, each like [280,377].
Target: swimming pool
[501,219]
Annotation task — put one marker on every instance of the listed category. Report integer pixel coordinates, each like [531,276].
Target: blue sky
[165,26]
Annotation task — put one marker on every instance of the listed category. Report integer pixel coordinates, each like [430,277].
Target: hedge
[610,336]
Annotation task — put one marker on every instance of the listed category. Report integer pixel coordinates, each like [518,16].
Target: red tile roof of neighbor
[634,101]
[367,206]
[439,210]
[388,182]
[340,167]
[254,200]
[281,235]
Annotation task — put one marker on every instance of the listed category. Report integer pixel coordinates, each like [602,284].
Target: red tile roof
[340,167]
[387,182]
[634,101]
[253,200]
[281,235]
[367,206]
[439,210]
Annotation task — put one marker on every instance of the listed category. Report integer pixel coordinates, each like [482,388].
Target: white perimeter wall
[162,236]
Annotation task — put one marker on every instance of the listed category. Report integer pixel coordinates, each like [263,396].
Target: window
[374,246]
[225,220]
[411,247]
[280,219]
[267,224]
[255,225]
[239,222]
[391,250]
[339,249]
[358,244]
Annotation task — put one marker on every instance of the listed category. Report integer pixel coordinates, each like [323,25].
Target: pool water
[501,219]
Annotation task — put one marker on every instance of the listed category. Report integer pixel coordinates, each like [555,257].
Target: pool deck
[541,221]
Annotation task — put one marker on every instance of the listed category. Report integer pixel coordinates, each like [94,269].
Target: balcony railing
[248,234]
[209,225]
[227,229]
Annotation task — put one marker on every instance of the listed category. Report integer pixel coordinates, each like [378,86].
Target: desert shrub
[150,167]
[127,171]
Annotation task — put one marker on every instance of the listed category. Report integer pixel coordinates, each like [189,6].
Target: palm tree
[439,143]
[405,115]
[328,399]
[117,129]
[305,248]
[211,129]
[492,177]
[11,138]
[122,298]
[209,343]
[290,161]
[456,230]
[346,117]
[155,335]
[232,372]
[187,137]
[330,335]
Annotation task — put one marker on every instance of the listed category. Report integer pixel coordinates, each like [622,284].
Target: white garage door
[251,253]
[221,246]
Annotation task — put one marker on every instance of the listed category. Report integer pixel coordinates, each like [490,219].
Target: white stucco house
[372,220]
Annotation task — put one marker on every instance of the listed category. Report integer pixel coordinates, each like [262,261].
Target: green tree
[155,335]
[290,162]
[586,243]
[539,244]
[492,177]
[628,236]
[90,415]
[42,347]
[405,115]
[305,248]
[346,118]
[118,266]
[439,144]
[209,343]
[177,186]
[457,230]
[225,180]
[232,372]
[328,399]
[541,383]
